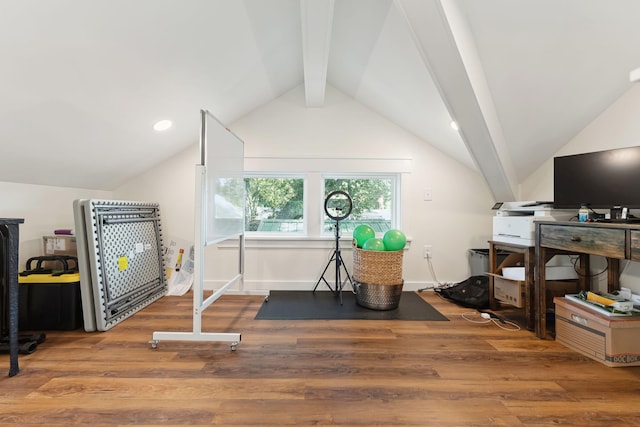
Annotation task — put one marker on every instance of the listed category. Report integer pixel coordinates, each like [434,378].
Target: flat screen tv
[600,180]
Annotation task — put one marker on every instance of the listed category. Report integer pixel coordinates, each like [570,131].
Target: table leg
[540,294]
[613,274]
[530,280]
[493,265]
[12,283]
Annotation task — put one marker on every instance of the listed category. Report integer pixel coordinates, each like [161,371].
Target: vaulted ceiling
[83,81]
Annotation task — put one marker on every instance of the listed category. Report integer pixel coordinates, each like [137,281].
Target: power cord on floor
[435,279]
[484,317]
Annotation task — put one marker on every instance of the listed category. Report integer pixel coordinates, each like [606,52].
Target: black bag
[471,293]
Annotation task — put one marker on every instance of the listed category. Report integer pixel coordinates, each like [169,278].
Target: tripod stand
[339,265]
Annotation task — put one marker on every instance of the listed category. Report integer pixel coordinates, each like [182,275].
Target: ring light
[338,205]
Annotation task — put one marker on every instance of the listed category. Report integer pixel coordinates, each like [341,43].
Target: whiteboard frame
[200,303]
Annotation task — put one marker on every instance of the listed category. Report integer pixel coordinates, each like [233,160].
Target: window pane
[274,205]
[372,198]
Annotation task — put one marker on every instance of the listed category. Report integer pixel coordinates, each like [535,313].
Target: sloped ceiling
[84,81]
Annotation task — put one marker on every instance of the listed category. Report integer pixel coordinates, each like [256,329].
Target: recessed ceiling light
[162,125]
[454,125]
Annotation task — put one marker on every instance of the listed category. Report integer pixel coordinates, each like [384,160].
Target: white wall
[171,184]
[341,136]
[617,127]
[44,210]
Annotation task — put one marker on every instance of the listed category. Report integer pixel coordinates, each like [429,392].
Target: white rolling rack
[219,216]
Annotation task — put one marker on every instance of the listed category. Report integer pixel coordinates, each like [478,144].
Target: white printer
[514,221]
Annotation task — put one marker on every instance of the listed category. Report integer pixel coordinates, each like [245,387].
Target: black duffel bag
[471,293]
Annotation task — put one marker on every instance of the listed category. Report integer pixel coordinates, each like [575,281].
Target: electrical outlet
[427,251]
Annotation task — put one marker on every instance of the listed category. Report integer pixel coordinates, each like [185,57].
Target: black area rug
[306,305]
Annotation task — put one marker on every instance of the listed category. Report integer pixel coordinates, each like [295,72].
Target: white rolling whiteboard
[219,216]
[223,155]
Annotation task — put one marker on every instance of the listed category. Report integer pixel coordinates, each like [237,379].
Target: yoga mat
[305,305]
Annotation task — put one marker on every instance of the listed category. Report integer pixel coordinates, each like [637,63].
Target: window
[274,204]
[278,204]
[374,201]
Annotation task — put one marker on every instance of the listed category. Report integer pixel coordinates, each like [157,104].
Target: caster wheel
[154,344]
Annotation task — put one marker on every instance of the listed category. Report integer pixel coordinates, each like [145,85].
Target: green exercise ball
[362,233]
[373,244]
[394,240]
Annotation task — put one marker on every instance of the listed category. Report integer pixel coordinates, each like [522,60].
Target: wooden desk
[612,241]
[521,255]
[9,240]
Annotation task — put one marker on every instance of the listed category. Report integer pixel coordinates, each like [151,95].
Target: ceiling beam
[442,37]
[317,20]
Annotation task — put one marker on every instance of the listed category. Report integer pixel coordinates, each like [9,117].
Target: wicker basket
[378,297]
[377,267]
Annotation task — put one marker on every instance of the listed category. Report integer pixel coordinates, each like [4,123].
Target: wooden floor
[312,373]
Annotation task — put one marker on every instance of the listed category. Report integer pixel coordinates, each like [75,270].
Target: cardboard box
[509,291]
[560,272]
[611,340]
[512,292]
[59,245]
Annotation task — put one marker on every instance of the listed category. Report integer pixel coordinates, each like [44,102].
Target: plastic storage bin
[479,260]
[50,303]
[49,299]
